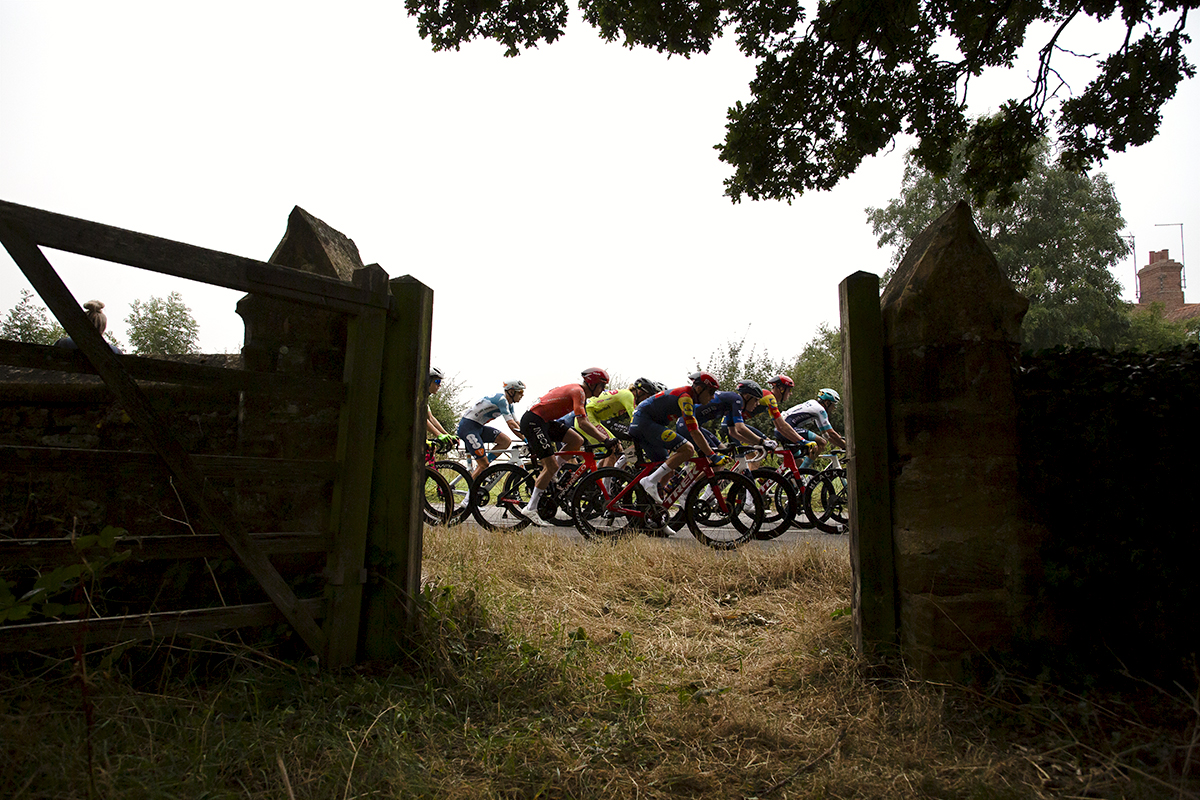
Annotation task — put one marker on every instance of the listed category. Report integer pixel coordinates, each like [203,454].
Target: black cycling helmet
[645,386]
[705,379]
[750,388]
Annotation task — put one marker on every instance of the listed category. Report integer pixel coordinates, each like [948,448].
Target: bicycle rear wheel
[780,502]
[459,478]
[724,511]
[438,500]
[828,501]
[500,493]
[596,516]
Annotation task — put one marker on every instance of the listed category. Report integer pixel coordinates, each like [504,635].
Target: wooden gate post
[872,560]
[397,487]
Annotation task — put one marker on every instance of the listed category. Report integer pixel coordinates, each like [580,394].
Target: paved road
[684,538]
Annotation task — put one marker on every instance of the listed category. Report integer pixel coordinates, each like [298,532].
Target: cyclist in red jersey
[543,428]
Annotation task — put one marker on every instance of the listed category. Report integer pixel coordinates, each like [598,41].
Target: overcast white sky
[576,184]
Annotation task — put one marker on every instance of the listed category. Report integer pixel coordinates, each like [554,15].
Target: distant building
[1161,281]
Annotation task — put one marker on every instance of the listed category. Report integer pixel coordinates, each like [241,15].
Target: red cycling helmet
[782,380]
[593,376]
[704,379]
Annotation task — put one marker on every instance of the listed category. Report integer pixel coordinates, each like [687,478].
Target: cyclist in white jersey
[815,413]
[474,430]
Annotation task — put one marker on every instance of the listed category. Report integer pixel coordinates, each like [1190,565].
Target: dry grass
[556,669]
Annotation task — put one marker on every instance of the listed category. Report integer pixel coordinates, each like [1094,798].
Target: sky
[565,206]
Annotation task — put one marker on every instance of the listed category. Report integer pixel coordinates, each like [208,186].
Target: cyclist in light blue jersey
[474,430]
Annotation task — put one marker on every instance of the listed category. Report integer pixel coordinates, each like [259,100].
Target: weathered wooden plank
[59,359]
[56,552]
[138,627]
[352,490]
[189,481]
[126,463]
[390,604]
[94,239]
[872,558]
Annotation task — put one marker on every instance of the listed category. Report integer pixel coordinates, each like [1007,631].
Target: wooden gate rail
[135,627]
[94,239]
[58,359]
[59,552]
[23,230]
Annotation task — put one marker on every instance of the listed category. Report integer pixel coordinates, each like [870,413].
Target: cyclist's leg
[473,435]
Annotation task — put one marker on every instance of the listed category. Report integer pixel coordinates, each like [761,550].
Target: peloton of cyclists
[816,413]
[475,432]
[653,427]
[543,428]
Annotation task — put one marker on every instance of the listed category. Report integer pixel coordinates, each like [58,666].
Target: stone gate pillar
[963,543]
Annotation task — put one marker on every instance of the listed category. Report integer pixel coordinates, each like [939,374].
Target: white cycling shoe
[651,489]
[530,513]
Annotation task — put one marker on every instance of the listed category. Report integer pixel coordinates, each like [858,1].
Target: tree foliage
[31,323]
[1150,331]
[161,326]
[818,365]
[838,83]
[1057,241]
[447,404]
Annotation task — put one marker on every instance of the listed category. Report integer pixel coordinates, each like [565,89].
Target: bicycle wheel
[724,511]
[459,478]
[802,483]
[438,502]
[596,515]
[779,502]
[828,501]
[499,494]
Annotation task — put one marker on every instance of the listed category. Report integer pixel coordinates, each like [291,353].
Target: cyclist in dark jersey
[653,427]
[733,407]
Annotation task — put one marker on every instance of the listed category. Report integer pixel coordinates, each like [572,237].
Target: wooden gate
[372,312]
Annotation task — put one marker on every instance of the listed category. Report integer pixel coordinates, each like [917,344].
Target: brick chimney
[1161,281]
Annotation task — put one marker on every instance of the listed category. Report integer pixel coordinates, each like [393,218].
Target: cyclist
[542,428]
[475,432]
[733,407]
[612,411]
[816,413]
[653,427]
[433,428]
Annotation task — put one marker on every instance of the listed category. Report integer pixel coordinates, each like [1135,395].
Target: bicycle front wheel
[499,494]
[438,501]
[828,501]
[459,478]
[597,514]
[724,511]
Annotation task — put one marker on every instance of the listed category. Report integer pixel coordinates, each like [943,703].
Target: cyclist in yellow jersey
[611,412]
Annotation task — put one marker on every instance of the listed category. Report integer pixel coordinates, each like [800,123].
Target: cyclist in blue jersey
[733,407]
[653,427]
[474,430]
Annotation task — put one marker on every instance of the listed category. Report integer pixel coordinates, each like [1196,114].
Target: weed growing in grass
[547,668]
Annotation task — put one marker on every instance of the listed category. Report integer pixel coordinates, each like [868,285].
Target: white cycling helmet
[514,386]
[829,394]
